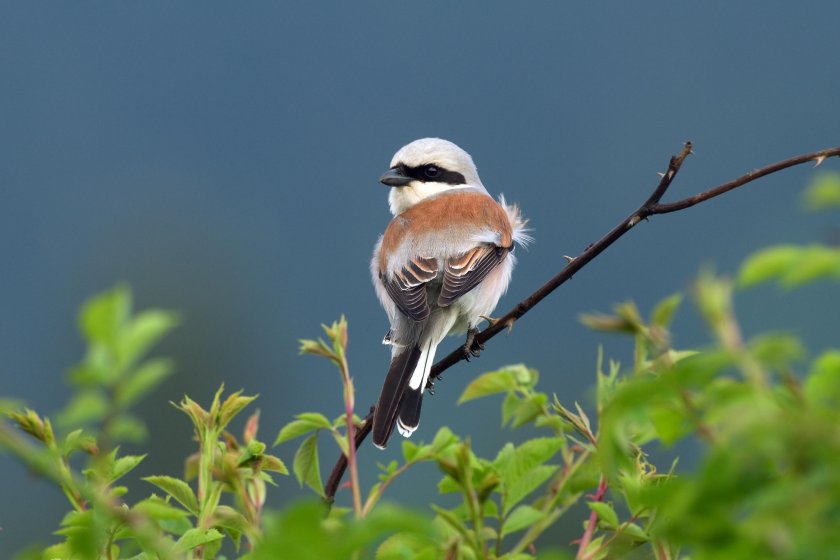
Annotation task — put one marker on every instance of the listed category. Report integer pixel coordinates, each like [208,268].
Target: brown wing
[463,273]
[408,287]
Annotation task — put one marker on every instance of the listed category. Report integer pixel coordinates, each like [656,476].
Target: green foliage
[185,522]
[762,411]
[823,193]
[114,375]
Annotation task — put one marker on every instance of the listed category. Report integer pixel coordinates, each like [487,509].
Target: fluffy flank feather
[521,233]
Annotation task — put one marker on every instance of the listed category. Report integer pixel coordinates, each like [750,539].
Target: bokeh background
[223,159]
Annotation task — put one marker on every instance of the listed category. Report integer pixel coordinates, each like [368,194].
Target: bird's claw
[472,347]
[430,384]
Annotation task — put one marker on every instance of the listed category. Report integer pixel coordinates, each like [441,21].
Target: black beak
[395,178]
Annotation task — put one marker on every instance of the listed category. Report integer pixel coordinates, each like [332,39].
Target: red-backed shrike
[443,263]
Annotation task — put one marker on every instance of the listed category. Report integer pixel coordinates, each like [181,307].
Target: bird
[440,267]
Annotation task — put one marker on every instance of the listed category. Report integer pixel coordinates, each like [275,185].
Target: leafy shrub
[764,414]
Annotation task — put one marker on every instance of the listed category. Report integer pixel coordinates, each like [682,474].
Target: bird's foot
[493,322]
[472,347]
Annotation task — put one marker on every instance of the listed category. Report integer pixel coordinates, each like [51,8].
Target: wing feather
[464,272]
[408,287]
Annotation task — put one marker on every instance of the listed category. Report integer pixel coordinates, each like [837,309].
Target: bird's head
[428,167]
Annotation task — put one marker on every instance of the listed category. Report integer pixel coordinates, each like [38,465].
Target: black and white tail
[402,393]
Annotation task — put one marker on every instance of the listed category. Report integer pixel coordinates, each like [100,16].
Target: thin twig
[651,207]
[593,520]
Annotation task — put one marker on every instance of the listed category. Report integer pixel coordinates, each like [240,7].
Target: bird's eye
[430,171]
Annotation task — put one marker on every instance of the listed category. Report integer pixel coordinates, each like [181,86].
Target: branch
[593,520]
[650,207]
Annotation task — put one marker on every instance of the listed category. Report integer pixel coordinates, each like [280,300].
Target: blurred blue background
[223,160]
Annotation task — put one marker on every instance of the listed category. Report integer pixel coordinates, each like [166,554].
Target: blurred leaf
[85,407]
[274,464]
[123,466]
[103,315]
[301,532]
[664,311]
[815,263]
[823,193]
[791,265]
[8,406]
[148,376]
[231,521]
[606,323]
[777,350]
[404,545]
[178,489]
[767,264]
[521,518]
[670,421]
[316,348]
[823,382]
[196,537]
[605,513]
[157,508]
[77,440]
[126,427]
[451,520]
[144,331]
[306,466]
[30,422]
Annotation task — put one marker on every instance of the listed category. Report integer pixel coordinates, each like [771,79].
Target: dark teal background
[223,160]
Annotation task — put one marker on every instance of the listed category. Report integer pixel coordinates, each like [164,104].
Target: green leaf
[443,439]
[126,427]
[85,407]
[605,513]
[123,466]
[815,263]
[341,441]
[305,465]
[148,376]
[196,537]
[501,381]
[664,311]
[823,382]
[521,518]
[529,409]
[77,440]
[823,193]
[406,545]
[103,315]
[233,522]
[178,489]
[306,422]
[157,508]
[273,464]
[316,348]
[777,350]
[670,421]
[232,406]
[143,331]
[519,490]
[636,532]
[522,469]
[451,520]
[767,264]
